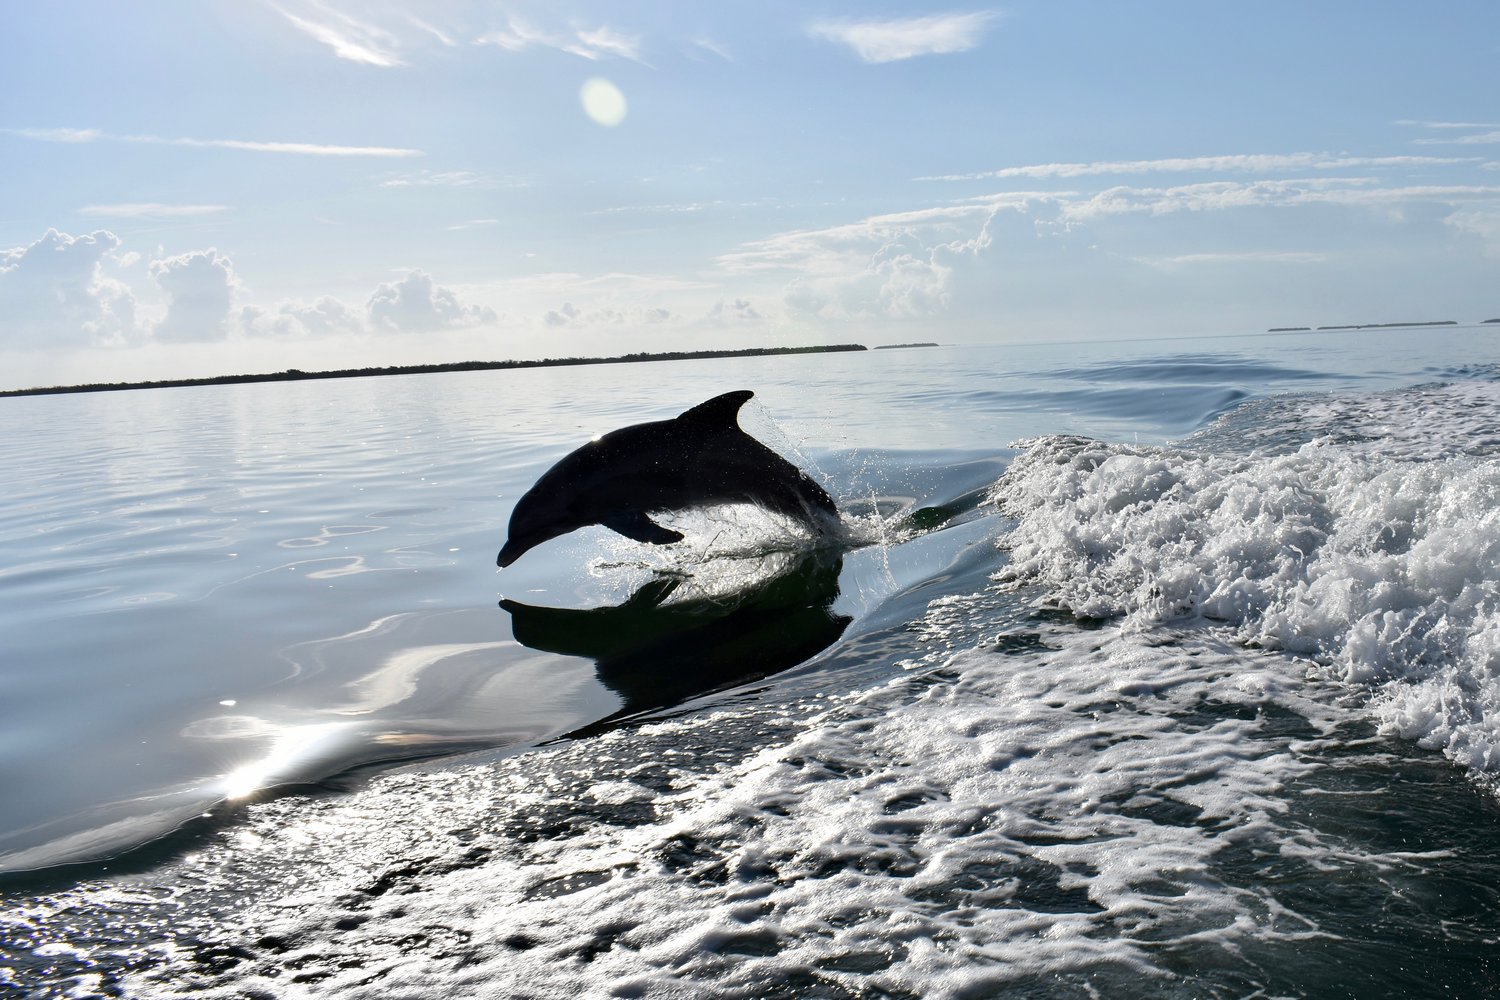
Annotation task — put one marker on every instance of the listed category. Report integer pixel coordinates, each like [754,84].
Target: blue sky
[193,187]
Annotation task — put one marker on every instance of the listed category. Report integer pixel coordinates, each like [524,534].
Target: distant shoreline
[296,375]
[1368,326]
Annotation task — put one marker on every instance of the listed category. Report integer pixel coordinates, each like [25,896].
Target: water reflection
[677,637]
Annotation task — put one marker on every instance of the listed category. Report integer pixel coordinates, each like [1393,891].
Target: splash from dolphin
[699,458]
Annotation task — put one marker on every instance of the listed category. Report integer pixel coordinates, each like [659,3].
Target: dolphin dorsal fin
[721,410]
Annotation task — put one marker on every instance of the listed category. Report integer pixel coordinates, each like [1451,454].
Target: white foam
[1383,569]
[1069,812]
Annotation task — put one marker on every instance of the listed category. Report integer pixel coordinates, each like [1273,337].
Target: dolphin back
[743,467]
[721,411]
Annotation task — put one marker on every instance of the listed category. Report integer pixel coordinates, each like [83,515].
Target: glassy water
[1153,668]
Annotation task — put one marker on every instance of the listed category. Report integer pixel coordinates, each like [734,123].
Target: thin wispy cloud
[70,135]
[1240,163]
[55,134]
[350,38]
[710,45]
[1489,134]
[1246,257]
[443,37]
[673,208]
[297,148]
[893,40]
[1422,124]
[1224,195]
[150,210]
[1477,139]
[445,178]
[593,44]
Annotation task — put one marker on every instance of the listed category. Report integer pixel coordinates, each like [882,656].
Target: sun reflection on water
[291,749]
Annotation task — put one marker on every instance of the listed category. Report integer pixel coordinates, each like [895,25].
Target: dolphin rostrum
[698,458]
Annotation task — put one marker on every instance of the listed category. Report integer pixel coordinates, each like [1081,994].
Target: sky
[199,187]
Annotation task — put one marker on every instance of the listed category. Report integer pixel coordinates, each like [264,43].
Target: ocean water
[1160,668]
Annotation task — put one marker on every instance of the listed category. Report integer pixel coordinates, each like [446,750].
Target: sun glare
[602,101]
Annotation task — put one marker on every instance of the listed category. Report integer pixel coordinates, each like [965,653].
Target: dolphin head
[538,518]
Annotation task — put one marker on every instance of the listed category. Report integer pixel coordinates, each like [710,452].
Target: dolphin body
[698,458]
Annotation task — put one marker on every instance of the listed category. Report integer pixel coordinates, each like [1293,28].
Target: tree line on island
[1370,326]
[295,374]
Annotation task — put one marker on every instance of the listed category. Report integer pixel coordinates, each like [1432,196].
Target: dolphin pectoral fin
[635,524]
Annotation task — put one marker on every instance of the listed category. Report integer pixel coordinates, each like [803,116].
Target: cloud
[904,278]
[1247,257]
[351,39]
[1221,248]
[1488,135]
[570,315]
[56,134]
[1422,124]
[737,311]
[150,210]
[200,287]
[1480,223]
[249,145]
[1478,139]
[899,265]
[1224,195]
[325,316]
[444,178]
[907,264]
[1240,163]
[53,293]
[704,44]
[415,303]
[601,42]
[834,250]
[905,38]
[445,39]
[592,44]
[295,148]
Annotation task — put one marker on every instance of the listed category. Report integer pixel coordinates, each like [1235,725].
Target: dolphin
[698,458]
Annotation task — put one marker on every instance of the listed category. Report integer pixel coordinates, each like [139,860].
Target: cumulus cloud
[904,38]
[570,315]
[894,266]
[415,303]
[1484,224]
[200,287]
[905,278]
[735,311]
[326,315]
[54,293]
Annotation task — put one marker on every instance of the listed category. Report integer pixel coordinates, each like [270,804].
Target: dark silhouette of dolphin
[698,458]
[656,650]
